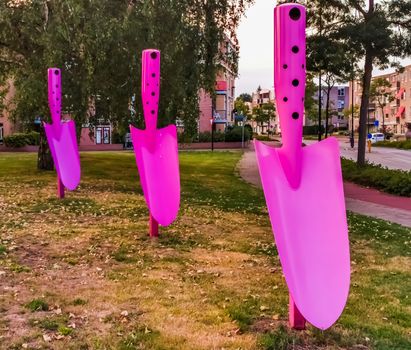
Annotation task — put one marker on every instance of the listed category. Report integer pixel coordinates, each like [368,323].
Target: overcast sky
[256,53]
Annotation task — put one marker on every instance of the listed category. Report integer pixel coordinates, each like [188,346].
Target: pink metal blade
[64,150]
[62,136]
[303,188]
[310,229]
[156,150]
[157,162]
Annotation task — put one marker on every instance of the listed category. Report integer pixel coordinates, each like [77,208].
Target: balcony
[220,116]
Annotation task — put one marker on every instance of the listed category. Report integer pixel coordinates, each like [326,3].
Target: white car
[377,137]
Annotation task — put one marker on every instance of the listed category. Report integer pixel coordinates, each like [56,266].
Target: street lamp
[352,108]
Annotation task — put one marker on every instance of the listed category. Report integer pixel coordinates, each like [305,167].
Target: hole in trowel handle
[295,14]
[153,55]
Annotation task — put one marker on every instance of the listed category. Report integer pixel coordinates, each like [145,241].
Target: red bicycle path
[371,195]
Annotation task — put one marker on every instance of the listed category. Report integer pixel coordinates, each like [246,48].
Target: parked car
[377,137]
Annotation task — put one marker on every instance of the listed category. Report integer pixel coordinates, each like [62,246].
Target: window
[103,135]
[341,104]
[341,91]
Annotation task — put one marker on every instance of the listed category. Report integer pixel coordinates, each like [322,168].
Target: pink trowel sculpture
[304,190]
[156,151]
[61,137]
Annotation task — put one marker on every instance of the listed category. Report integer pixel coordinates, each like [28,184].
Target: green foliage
[392,181]
[279,339]
[63,330]
[245,97]
[37,305]
[312,130]
[264,113]
[206,136]
[20,140]
[394,144]
[244,313]
[242,108]
[79,301]
[235,134]
[365,32]
[98,45]
[261,137]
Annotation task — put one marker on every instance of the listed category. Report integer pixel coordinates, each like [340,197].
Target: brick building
[397,113]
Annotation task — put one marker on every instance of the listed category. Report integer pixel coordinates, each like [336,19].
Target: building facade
[397,112]
[339,100]
[259,98]
[219,108]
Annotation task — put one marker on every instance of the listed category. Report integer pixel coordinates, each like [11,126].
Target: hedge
[231,134]
[394,144]
[396,182]
[20,140]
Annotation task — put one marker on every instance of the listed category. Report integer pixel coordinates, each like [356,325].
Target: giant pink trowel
[61,137]
[303,188]
[156,150]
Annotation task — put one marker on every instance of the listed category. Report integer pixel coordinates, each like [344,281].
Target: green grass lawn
[81,273]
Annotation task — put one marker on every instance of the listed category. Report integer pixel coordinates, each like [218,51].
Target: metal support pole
[60,188]
[212,135]
[296,320]
[153,227]
[352,109]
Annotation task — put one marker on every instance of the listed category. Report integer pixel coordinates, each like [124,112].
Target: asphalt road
[391,158]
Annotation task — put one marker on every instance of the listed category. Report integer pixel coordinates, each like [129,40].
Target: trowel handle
[150,87]
[54,94]
[289,72]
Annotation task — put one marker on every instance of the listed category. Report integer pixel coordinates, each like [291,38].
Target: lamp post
[352,108]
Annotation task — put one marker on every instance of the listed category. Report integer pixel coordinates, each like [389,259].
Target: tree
[241,107]
[353,110]
[310,103]
[381,95]
[264,113]
[98,45]
[372,32]
[246,97]
[327,56]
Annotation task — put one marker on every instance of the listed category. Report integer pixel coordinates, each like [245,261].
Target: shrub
[397,182]
[235,134]
[37,305]
[262,138]
[394,144]
[312,129]
[20,140]
[206,136]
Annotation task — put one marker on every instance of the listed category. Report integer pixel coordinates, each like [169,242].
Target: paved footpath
[358,199]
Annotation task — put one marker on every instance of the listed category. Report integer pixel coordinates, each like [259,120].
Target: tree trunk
[327,111]
[44,159]
[365,100]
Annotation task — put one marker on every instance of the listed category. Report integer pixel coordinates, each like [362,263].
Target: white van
[377,137]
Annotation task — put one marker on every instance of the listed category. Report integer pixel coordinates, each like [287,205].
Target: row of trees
[261,114]
[98,45]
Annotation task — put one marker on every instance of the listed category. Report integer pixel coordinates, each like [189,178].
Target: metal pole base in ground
[153,227]
[297,321]
[60,188]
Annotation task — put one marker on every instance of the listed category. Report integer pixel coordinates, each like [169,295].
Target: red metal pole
[60,188]
[153,225]
[297,321]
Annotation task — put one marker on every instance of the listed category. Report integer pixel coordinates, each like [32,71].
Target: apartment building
[219,108]
[259,98]
[397,113]
[339,100]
